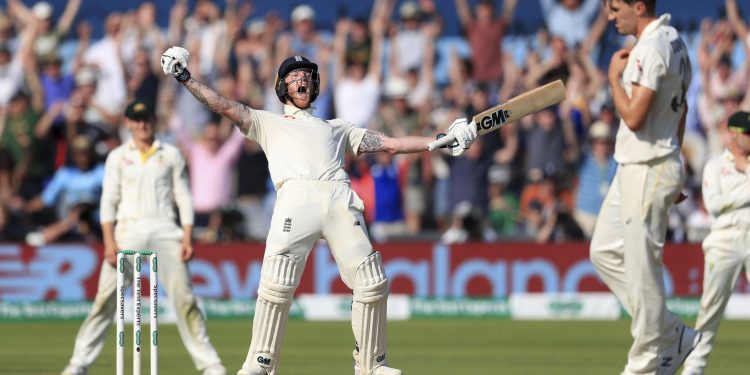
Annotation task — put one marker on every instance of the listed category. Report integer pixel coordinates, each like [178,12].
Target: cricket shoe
[72,369]
[672,358]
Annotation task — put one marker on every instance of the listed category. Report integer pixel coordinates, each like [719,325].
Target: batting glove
[174,62]
[464,133]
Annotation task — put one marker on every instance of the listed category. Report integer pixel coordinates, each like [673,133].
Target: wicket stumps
[136,311]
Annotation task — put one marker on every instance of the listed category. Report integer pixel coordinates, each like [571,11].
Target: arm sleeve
[181,190]
[256,131]
[110,189]
[354,137]
[649,68]
[53,189]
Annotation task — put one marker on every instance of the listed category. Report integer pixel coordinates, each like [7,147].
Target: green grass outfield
[419,347]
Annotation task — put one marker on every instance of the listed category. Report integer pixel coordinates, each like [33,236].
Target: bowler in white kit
[314,200]
[648,86]
[143,178]
[726,194]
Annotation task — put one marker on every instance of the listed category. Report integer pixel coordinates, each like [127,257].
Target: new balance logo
[287,225]
[264,361]
[380,358]
[666,361]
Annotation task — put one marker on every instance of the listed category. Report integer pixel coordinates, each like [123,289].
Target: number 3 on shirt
[685,72]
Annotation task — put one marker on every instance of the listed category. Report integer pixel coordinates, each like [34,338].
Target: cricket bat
[512,110]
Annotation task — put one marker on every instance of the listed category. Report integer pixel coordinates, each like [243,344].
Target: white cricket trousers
[163,237]
[627,248]
[726,252]
[307,210]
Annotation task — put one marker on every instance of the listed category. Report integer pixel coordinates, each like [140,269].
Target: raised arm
[238,113]
[509,11]
[733,15]
[69,14]
[464,13]
[174,62]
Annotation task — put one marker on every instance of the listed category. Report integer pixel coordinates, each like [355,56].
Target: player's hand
[187,249]
[464,133]
[174,61]
[617,63]
[110,252]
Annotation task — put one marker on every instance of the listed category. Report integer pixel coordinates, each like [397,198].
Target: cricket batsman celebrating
[726,194]
[648,87]
[142,179]
[314,200]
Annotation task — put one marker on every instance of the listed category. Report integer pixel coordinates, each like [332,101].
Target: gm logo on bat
[497,118]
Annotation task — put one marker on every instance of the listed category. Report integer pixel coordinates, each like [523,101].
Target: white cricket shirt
[138,186]
[659,61]
[726,192]
[301,146]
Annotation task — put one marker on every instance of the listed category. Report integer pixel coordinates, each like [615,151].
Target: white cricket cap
[303,12]
[85,76]
[42,10]
[396,88]
[600,130]
[409,9]
[256,26]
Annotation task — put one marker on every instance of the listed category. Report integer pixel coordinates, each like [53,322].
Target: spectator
[503,206]
[545,133]
[142,82]
[356,82]
[74,192]
[594,177]
[389,211]
[50,35]
[18,139]
[61,134]
[409,40]
[485,32]
[211,161]
[569,19]
[57,86]
[111,91]
[468,189]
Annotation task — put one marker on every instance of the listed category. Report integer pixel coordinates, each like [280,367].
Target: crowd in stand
[62,94]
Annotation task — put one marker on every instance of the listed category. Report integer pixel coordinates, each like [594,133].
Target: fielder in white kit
[648,87]
[143,178]
[314,200]
[726,194]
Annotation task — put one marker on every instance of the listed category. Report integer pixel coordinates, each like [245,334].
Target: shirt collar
[294,111]
[663,20]
[728,155]
[131,144]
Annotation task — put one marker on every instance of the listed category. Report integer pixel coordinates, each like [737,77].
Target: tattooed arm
[374,141]
[239,114]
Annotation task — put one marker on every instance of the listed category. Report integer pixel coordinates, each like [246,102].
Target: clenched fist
[464,133]
[174,62]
